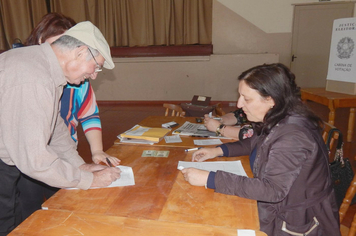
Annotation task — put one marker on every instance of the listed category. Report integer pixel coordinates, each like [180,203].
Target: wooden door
[311,38]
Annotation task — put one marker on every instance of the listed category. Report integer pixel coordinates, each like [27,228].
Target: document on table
[193,129]
[234,167]
[126,179]
[147,133]
[205,142]
[173,139]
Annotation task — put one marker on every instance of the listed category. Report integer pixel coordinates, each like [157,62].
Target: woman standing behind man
[288,158]
[78,104]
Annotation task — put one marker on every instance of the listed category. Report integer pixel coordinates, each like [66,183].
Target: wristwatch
[218,129]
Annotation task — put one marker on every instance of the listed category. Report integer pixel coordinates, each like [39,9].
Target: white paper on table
[246,232]
[234,167]
[173,139]
[204,142]
[126,178]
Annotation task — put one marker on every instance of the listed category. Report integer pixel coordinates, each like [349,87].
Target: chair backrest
[351,191]
[218,110]
[333,140]
[173,110]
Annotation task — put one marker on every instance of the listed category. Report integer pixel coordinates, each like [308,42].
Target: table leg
[350,127]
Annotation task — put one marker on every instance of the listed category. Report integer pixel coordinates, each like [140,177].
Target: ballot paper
[205,142]
[234,167]
[126,178]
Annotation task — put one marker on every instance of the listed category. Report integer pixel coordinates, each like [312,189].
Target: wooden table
[160,193]
[333,100]
[54,222]
[160,203]
[157,121]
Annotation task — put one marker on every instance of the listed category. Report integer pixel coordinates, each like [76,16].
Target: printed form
[234,167]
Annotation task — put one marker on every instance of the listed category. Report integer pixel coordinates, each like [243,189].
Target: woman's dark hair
[278,82]
[52,24]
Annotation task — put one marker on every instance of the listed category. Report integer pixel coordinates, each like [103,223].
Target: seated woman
[288,157]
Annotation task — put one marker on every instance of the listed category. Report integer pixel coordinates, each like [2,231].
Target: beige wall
[245,34]
[151,79]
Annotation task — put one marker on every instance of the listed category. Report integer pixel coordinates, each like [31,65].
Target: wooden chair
[345,206]
[218,110]
[333,141]
[174,109]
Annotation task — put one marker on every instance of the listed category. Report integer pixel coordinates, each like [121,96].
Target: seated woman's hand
[195,177]
[206,153]
[210,123]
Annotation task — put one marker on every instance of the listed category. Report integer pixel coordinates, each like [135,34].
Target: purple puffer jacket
[291,181]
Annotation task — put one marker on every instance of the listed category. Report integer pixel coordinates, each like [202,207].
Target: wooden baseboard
[154,103]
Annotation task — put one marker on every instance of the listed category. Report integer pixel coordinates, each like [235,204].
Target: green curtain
[144,22]
[126,23]
[18,18]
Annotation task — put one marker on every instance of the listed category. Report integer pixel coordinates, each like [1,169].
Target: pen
[199,136]
[192,149]
[109,162]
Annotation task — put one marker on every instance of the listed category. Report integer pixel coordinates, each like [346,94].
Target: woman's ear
[40,41]
[270,102]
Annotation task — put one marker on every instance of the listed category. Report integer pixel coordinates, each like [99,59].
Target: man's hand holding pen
[103,175]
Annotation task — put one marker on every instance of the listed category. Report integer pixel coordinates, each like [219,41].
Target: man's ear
[81,51]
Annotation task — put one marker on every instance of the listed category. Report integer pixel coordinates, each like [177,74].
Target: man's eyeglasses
[98,67]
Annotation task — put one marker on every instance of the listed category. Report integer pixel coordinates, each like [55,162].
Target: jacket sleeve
[284,157]
[37,146]
[238,148]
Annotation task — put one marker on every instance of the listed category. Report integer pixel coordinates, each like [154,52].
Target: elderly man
[33,137]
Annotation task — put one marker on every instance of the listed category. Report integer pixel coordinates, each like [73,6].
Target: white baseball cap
[90,35]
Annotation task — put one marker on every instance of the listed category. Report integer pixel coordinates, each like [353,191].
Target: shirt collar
[55,69]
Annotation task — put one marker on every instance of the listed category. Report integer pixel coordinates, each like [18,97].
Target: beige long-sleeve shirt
[33,136]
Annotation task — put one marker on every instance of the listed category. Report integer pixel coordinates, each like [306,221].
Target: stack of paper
[142,134]
[195,130]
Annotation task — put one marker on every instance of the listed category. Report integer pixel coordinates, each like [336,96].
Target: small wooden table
[157,121]
[333,100]
[160,193]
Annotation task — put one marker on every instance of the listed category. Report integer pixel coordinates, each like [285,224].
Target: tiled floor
[117,119]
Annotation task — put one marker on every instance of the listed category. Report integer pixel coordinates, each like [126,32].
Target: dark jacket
[291,181]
